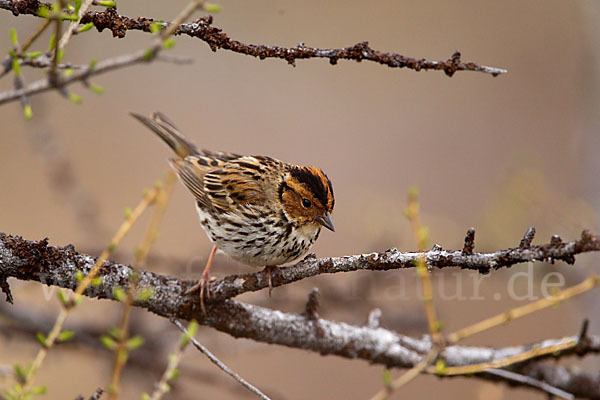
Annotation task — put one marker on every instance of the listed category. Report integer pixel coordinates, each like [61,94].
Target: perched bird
[258,210]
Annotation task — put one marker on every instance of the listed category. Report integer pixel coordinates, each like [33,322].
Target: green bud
[92,65]
[387,378]
[127,212]
[39,390]
[41,338]
[96,88]
[16,67]
[43,12]
[212,8]
[52,43]
[34,54]
[173,374]
[65,335]
[13,37]
[108,342]
[440,367]
[119,294]
[75,98]
[28,112]
[135,342]
[86,27]
[145,294]
[169,43]
[68,72]
[107,3]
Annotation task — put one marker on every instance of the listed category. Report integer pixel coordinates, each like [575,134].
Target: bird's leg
[203,283]
[269,270]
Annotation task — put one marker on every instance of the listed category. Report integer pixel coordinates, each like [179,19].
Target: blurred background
[498,154]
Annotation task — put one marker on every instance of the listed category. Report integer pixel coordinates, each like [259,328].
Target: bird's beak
[326,221]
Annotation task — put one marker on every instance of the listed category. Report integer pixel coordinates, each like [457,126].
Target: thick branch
[36,260]
[217,39]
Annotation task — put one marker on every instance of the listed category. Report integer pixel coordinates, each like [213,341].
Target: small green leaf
[41,338]
[85,27]
[21,372]
[77,4]
[79,275]
[65,335]
[13,37]
[127,212]
[148,54]
[212,8]
[192,329]
[43,12]
[135,342]
[68,72]
[174,374]
[34,54]
[107,3]
[92,65]
[52,43]
[115,332]
[70,17]
[62,296]
[39,390]
[169,43]
[28,112]
[119,294]
[108,342]
[16,67]
[387,378]
[155,27]
[413,192]
[96,88]
[97,281]
[145,294]
[440,367]
[60,54]
[75,98]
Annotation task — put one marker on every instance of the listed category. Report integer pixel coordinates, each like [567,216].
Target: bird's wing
[223,185]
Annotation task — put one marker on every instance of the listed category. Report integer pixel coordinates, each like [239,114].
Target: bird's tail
[168,132]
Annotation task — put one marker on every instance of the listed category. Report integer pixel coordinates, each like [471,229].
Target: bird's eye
[306,203]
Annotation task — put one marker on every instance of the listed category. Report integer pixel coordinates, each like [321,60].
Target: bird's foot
[204,286]
[269,270]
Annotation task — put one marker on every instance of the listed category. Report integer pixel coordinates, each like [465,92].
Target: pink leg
[203,283]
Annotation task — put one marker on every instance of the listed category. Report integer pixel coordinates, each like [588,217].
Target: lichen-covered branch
[38,261]
[217,39]
[437,257]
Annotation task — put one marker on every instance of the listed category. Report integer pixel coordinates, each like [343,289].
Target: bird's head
[307,197]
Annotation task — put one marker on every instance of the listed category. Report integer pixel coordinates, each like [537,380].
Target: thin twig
[220,364]
[122,352]
[513,376]
[101,67]
[522,311]
[83,285]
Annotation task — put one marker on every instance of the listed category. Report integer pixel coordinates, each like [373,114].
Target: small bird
[258,210]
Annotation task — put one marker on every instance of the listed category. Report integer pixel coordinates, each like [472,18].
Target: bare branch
[217,39]
[37,261]
[81,74]
[393,259]
[220,363]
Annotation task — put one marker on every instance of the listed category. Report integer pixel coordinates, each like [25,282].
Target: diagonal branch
[217,39]
[37,261]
